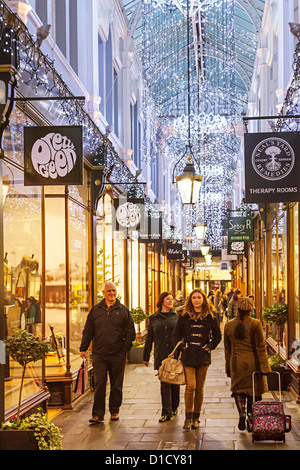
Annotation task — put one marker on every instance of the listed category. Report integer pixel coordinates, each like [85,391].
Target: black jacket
[111,330]
[160,331]
[204,332]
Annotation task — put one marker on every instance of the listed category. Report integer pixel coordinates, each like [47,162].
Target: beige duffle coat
[243,357]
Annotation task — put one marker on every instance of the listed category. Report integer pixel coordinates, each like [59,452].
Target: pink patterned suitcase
[269,421]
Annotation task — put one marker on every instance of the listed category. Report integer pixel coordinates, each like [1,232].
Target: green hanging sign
[240,229]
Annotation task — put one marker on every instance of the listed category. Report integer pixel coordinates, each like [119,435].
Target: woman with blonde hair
[199,329]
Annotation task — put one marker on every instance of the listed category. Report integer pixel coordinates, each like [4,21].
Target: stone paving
[139,429]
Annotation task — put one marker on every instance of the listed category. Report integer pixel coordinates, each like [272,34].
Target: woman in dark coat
[160,331]
[245,353]
[199,329]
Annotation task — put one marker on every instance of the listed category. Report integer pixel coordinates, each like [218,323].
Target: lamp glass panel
[185,187]
[204,250]
[196,189]
[200,231]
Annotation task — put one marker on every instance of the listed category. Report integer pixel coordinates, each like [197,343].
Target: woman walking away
[199,329]
[160,331]
[245,353]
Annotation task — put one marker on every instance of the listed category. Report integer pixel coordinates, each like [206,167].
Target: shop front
[47,280]
[273,279]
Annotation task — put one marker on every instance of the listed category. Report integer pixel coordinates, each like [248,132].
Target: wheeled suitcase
[269,421]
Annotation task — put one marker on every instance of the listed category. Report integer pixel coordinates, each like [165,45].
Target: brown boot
[196,421]
[188,421]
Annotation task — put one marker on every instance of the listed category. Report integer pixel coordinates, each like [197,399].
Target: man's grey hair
[109,282]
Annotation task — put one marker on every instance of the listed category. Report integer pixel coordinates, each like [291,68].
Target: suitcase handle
[266,373]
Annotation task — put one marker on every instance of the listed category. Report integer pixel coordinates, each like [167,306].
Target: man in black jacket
[110,326]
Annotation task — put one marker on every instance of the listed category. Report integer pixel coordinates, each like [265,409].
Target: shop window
[119,264]
[79,275]
[55,277]
[296,341]
[279,270]
[142,275]
[22,273]
[110,253]
[61,263]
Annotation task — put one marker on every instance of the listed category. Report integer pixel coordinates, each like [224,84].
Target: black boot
[240,401]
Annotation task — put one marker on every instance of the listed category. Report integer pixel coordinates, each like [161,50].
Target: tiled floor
[139,429]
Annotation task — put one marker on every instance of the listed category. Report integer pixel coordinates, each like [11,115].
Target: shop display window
[66,258]
[79,276]
[279,271]
[110,250]
[22,273]
[142,275]
[296,339]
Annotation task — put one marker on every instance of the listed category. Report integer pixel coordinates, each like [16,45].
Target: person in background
[160,332]
[232,307]
[218,307]
[253,308]
[245,353]
[178,302]
[110,326]
[199,329]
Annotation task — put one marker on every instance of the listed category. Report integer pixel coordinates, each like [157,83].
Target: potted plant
[35,431]
[277,315]
[135,355]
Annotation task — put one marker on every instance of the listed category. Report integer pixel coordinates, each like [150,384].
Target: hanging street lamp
[188,182]
[204,250]
[200,230]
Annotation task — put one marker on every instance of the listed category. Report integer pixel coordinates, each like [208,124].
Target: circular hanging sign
[273,159]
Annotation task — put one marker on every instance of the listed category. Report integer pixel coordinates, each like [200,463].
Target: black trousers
[170,397]
[114,367]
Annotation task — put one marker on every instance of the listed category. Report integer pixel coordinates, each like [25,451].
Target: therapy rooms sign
[272,167]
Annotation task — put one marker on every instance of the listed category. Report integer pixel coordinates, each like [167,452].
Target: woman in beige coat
[245,352]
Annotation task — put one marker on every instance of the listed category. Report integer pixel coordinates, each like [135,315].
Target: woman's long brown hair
[189,308]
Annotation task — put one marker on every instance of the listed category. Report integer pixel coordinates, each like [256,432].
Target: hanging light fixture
[208,259]
[188,182]
[204,250]
[200,230]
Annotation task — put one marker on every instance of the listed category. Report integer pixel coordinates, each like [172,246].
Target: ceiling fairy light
[195,5]
[201,123]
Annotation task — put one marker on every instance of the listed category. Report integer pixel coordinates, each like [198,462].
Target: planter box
[135,355]
[18,439]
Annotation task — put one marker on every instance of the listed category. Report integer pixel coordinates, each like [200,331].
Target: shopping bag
[82,378]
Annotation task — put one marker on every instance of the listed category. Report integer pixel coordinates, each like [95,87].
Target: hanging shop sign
[53,155]
[174,251]
[128,214]
[272,167]
[152,232]
[187,260]
[240,229]
[236,248]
